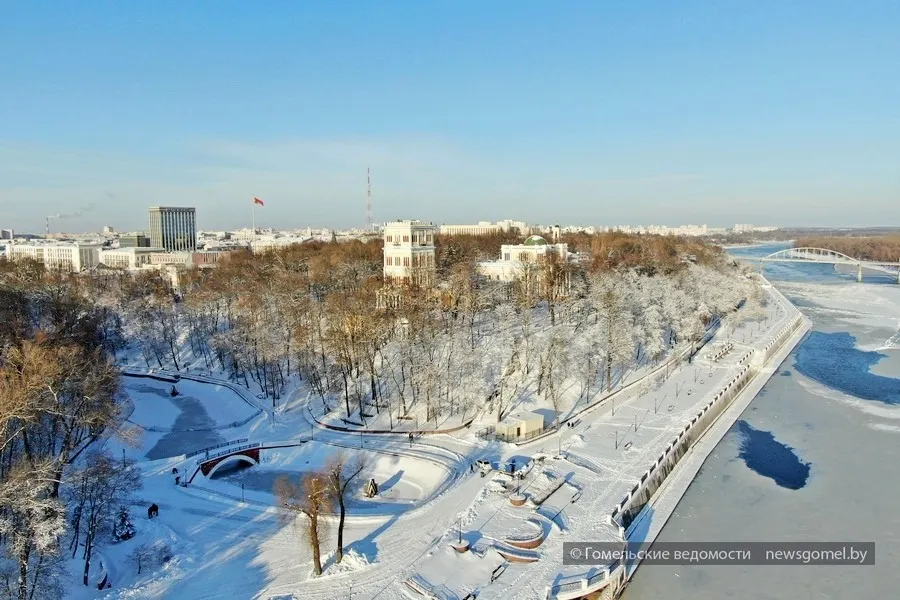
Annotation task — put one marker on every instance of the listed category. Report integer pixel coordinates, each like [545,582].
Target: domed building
[534,249]
[518,260]
[535,240]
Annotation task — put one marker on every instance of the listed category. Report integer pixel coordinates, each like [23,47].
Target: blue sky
[596,112]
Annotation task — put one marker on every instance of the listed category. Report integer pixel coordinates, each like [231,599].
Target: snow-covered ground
[197,406]
[229,542]
[404,481]
[201,415]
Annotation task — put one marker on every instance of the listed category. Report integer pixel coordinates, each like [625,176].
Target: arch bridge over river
[824,255]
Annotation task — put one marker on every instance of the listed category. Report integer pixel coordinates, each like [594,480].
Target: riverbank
[799,457]
[643,510]
[668,496]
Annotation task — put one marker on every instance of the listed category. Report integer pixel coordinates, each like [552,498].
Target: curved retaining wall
[637,499]
[624,514]
[388,431]
[174,377]
[722,352]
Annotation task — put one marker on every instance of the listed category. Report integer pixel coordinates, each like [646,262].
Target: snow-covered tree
[123,529]
[103,483]
[613,324]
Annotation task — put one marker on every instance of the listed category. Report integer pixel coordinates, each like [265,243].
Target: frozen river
[812,458]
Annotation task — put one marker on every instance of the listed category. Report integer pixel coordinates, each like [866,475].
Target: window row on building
[416,260]
[419,238]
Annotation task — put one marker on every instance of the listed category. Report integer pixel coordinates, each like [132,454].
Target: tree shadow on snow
[367,546]
[391,482]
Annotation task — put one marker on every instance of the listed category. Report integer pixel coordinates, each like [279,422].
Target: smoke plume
[74,215]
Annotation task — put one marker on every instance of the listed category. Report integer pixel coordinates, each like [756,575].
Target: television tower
[369,198]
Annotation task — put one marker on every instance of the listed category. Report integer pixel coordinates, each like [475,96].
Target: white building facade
[68,257]
[409,253]
[529,264]
[515,258]
[482,228]
[485,228]
[128,258]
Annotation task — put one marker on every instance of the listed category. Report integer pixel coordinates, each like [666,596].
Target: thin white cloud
[322,182]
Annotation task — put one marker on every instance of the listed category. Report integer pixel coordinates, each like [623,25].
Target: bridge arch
[812,255]
[230,460]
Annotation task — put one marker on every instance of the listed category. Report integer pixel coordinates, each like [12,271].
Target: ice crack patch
[768,457]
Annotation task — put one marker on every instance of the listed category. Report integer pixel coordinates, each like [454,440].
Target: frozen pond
[828,420]
[200,416]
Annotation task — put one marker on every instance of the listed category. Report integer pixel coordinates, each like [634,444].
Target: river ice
[848,441]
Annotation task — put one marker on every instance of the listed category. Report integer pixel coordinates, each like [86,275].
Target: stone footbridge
[211,460]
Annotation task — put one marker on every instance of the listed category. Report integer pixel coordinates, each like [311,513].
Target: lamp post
[242,491]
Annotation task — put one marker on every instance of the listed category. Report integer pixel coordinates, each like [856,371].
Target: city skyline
[586,113]
[481,227]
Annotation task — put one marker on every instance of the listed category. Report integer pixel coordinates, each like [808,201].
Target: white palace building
[516,257]
[409,259]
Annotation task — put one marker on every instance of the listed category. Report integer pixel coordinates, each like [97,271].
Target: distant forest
[806,233]
[868,247]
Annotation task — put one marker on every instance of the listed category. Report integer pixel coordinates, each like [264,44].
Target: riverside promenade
[616,476]
[628,463]
[644,508]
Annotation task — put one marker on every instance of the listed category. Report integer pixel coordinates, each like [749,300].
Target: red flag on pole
[258,201]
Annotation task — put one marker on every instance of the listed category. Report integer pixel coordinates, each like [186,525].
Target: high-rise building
[173,228]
